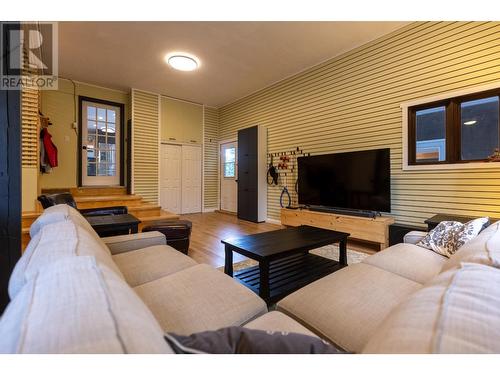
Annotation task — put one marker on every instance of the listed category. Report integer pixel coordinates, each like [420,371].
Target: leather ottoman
[177,233]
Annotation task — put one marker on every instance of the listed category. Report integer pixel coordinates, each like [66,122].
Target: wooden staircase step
[145,210]
[98,190]
[108,200]
[29,217]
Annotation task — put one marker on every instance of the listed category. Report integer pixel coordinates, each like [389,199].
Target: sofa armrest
[414,236]
[129,242]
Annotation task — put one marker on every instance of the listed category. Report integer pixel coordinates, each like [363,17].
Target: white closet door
[170,178]
[191,179]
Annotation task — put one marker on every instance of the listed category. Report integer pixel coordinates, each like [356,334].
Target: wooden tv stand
[374,230]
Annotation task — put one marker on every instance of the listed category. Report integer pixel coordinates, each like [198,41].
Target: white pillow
[53,242]
[76,306]
[449,236]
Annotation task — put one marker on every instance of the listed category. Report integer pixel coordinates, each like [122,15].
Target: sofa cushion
[57,213]
[75,306]
[151,263]
[456,313]
[347,306]
[53,242]
[276,321]
[410,261]
[484,249]
[199,298]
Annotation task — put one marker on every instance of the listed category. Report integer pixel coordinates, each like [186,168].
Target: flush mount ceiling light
[472,122]
[182,61]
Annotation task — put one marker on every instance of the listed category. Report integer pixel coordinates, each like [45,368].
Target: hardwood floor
[210,228]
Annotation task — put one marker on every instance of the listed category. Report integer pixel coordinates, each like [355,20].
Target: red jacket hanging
[50,148]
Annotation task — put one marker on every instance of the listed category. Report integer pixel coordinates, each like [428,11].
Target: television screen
[355,180]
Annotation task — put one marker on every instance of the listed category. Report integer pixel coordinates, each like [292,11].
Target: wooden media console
[374,230]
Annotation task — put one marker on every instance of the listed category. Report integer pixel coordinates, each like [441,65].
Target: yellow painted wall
[29,192]
[352,102]
[61,106]
[181,121]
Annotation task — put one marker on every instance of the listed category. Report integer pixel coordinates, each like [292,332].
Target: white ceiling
[237,58]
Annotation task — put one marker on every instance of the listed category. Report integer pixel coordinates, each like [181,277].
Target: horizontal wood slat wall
[351,102]
[29,126]
[210,142]
[145,143]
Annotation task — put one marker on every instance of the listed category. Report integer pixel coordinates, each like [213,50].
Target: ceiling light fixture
[472,122]
[182,61]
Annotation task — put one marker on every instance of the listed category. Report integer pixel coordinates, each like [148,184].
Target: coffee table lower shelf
[289,274]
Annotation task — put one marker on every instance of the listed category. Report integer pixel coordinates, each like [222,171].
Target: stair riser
[109,203]
[134,209]
[27,221]
[92,192]
[140,213]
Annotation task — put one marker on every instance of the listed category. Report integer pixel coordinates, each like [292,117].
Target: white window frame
[430,99]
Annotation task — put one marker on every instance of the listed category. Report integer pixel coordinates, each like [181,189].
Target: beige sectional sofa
[407,299]
[73,292]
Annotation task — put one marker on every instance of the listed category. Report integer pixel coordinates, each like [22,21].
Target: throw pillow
[239,340]
[449,236]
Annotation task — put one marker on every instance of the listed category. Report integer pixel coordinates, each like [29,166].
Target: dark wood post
[10,182]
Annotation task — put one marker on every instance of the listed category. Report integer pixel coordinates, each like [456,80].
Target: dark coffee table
[113,225]
[285,263]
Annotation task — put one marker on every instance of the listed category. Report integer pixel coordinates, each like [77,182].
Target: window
[229,162]
[456,130]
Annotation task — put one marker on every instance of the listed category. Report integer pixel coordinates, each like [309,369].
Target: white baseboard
[273,221]
[210,209]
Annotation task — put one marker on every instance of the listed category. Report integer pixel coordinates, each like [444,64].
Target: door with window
[100,142]
[228,181]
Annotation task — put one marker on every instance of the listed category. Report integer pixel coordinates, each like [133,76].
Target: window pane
[101,127]
[229,170]
[91,169]
[91,112]
[90,142]
[111,116]
[102,169]
[107,156]
[101,114]
[230,155]
[431,134]
[91,126]
[91,158]
[479,123]
[102,141]
[111,169]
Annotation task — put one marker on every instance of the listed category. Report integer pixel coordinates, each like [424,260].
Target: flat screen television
[359,180]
